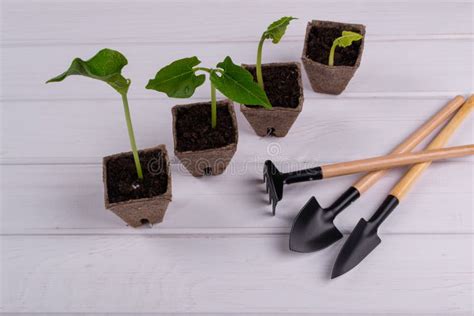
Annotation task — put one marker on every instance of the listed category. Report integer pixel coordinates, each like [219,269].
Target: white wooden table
[219,250]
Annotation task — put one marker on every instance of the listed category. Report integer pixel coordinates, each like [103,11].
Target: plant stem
[331,54]
[213,106]
[213,94]
[208,70]
[258,67]
[132,136]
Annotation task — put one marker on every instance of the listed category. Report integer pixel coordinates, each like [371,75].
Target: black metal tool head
[274,181]
[363,239]
[360,243]
[313,228]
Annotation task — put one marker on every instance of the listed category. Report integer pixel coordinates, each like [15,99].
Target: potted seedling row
[137,184]
[281,83]
[332,53]
[205,134]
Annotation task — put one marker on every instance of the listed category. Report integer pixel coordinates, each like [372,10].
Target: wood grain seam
[290,39]
[43,161]
[408,95]
[212,235]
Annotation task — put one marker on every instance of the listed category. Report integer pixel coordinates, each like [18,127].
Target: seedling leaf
[237,84]
[347,38]
[344,41]
[106,66]
[178,79]
[277,29]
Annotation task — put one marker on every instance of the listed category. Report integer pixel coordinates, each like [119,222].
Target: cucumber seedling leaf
[106,66]
[237,84]
[178,79]
[345,40]
[277,29]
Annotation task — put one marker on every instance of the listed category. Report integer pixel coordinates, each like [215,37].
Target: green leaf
[106,66]
[238,84]
[178,79]
[347,38]
[277,29]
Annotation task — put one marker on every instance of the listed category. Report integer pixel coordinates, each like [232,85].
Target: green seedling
[344,41]
[180,79]
[275,32]
[106,66]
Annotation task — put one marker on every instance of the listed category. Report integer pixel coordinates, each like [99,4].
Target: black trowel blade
[313,228]
[360,243]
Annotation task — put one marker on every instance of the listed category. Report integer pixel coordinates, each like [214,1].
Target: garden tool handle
[412,141]
[392,161]
[404,185]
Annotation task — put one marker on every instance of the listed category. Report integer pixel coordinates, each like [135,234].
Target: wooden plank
[219,249]
[428,273]
[329,130]
[382,71]
[58,199]
[111,22]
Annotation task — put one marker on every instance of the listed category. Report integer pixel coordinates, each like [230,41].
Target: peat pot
[138,202]
[319,38]
[204,150]
[284,89]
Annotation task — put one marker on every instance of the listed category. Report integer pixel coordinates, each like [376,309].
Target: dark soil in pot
[284,89]
[138,201]
[122,181]
[281,84]
[194,131]
[204,150]
[319,38]
[320,41]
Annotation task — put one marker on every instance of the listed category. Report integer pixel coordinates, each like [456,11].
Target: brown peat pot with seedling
[332,53]
[282,84]
[205,134]
[138,196]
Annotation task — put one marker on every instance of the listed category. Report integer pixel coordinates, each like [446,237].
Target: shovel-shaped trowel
[364,237]
[313,228]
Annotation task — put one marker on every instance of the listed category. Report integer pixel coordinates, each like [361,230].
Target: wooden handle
[392,161]
[404,185]
[413,140]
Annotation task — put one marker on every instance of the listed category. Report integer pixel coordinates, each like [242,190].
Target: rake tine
[274,207]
